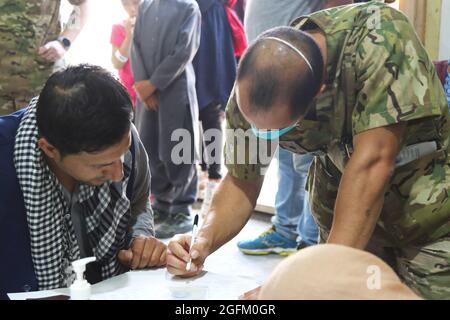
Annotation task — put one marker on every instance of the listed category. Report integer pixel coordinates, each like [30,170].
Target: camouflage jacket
[25,25]
[379,74]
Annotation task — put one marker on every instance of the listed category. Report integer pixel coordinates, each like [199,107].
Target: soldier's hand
[52,51]
[178,255]
[144,252]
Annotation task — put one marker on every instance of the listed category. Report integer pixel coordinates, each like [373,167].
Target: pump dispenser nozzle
[80,289]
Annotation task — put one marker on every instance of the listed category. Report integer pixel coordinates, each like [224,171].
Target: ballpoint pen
[193,240]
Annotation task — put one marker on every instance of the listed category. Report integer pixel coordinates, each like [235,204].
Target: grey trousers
[174,186]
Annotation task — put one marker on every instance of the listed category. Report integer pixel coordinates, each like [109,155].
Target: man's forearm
[364,183]
[142,222]
[358,204]
[232,206]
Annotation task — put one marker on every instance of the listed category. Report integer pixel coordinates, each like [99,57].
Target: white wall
[444,48]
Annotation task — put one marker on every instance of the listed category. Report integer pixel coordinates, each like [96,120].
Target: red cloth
[118,36]
[442,69]
[237,29]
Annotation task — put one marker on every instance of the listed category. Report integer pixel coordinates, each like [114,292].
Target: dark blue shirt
[16,267]
[214,63]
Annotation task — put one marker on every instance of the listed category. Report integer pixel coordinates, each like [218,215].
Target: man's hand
[178,255]
[144,252]
[52,51]
[152,102]
[144,89]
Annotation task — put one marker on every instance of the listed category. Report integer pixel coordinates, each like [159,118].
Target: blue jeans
[293,218]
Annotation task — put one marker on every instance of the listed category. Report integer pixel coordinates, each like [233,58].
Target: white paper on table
[38,294]
[160,285]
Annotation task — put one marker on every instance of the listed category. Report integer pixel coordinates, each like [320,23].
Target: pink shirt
[118,36]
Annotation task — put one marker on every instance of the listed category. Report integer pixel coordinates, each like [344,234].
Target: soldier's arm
[232,204]
[363,185]
[231,207]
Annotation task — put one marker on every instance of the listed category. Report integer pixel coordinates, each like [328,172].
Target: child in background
[121,40]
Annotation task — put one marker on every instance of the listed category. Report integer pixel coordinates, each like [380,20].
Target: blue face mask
[271,134]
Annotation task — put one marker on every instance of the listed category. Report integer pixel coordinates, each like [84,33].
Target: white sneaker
[211,187]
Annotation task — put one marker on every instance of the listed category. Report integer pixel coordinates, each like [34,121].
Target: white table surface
[157,284]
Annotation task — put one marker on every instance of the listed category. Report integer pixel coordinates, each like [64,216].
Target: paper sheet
[160,285]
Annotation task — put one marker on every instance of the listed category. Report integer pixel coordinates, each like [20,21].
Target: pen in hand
[193,240]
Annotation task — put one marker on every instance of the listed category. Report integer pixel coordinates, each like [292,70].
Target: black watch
[65,42]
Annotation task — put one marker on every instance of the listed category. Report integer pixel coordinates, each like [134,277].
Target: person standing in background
[31,43]
[121,40]
[166,39]
[237,29]
[215,72]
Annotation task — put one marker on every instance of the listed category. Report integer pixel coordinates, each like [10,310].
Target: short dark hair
[268,75]
[83,108]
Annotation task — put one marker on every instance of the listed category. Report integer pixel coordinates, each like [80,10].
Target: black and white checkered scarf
[54,246]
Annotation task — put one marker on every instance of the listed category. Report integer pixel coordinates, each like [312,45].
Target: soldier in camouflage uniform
[380,131]
[29,30]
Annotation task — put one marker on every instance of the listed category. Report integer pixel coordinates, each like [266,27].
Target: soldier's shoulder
[372,13]
[371,9]
[234,117]
[351,17]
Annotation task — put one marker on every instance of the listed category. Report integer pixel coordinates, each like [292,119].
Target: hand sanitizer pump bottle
[80,289]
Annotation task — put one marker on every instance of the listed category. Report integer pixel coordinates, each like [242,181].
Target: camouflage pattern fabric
[25,25]
[379,74]
[426,268]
